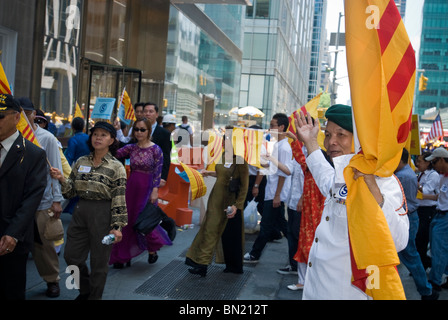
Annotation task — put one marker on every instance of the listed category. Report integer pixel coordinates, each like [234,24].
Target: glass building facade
[276,56]
[202,77]
[317,48]
[433,59]
[182,56]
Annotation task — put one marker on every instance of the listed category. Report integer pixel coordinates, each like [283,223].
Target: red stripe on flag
[388,24]
[399,82]
[4,87]
[404,130]
[436,129]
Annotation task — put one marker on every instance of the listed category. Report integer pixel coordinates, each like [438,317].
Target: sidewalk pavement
[169,279]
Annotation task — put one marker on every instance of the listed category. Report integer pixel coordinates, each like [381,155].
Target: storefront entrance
[106,81]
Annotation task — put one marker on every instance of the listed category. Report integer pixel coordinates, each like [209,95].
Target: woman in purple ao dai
[146,160]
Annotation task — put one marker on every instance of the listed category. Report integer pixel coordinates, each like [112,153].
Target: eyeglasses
[4,114]
[140,129]
[39,121]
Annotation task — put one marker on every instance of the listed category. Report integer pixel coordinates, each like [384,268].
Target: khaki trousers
[44,253]
[90,223]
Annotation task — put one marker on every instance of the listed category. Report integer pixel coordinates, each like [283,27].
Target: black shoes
[200,269]
[152,257]
[53,290]
[433,296]
[118,265]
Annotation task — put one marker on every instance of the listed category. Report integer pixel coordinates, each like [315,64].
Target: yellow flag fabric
[247,144]
[214,149]
[197,184]
[128,108]
[23,126]
[311,108]
[381,67]
[78,112]
[26,129]
[4,84]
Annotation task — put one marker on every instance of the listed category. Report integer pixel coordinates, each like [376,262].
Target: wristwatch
[255,185]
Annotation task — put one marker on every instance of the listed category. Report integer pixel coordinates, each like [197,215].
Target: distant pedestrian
[294,209]
[277,190]
[428,185]
[77,145]
[409,256]
[160,137]
[439,224]
[186,132]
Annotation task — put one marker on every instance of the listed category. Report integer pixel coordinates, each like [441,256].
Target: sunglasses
[39,121]
[140,129]
[4,114]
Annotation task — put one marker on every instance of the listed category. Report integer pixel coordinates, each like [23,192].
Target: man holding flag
[329,273]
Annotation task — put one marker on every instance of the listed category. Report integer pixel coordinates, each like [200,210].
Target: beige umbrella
[250,111]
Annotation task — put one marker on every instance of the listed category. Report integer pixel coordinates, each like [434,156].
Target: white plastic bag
[251,216]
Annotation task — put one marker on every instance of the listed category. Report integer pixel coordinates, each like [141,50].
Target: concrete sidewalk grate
[175,282]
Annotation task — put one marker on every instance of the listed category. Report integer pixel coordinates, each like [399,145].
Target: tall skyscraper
[433,60]
[276,55]
[317,48]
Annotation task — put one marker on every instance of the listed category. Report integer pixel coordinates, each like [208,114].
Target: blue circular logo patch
[343,191]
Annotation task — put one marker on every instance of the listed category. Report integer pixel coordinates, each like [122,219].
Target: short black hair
[282,119]
[405,156]
[139,104]
[152,104]
[78,124]
[112,148]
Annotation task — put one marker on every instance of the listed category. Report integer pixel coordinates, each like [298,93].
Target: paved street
[167,284]
[168,278]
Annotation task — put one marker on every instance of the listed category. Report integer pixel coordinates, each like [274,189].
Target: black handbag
[150,217]
[234,183]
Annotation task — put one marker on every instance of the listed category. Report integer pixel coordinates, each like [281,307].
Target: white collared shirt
[329,273]
[430,181]
[283,153]
[7,144]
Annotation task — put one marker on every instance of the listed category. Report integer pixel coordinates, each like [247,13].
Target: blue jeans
[411,258]
[272,221]
[439,246]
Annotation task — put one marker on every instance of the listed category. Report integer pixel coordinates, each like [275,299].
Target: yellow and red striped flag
[311,108]
[4,84]
[128,108]
[26,129]
[23,126]
[214,149]
[381,68]
[247,144]
[197,184]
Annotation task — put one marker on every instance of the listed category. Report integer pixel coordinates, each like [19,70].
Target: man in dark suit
[160,137]
[22,184]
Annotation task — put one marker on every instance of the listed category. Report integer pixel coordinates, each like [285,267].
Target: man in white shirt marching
[276,192]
